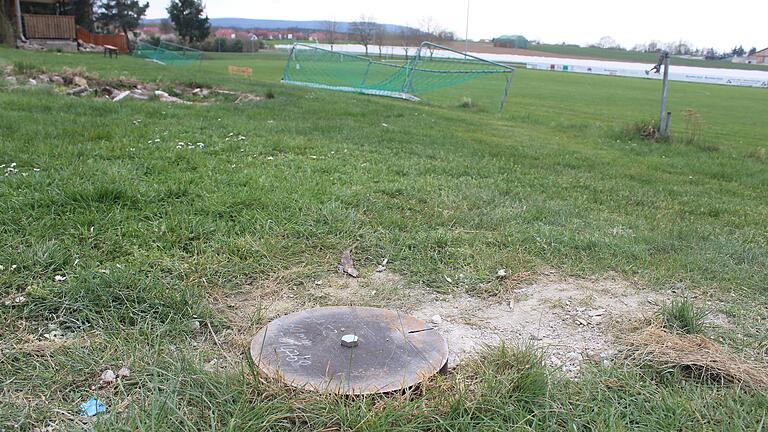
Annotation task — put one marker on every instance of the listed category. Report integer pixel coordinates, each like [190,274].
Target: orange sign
[242,71]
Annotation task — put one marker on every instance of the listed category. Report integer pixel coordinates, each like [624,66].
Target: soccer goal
[433,67]
[168,53]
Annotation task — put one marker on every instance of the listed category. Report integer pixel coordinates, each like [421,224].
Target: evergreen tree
[187,17]
[121,14]
[83,12]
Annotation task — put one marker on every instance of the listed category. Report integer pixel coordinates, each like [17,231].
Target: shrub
[759,154]
[236,46]
[466,102]
[694,126]
[641,130]
[154,41]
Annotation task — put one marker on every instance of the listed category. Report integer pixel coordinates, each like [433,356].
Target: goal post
[433,67]
[167,53]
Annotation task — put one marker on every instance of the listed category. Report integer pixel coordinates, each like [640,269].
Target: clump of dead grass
[693,353]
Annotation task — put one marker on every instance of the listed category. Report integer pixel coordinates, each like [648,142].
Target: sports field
[124,242]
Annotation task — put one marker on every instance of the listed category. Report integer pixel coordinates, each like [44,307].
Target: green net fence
[432,68]
[168,53]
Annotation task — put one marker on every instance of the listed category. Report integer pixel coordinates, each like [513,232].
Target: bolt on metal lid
[349,341]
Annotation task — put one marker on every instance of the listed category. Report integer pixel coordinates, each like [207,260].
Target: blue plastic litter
[92,408]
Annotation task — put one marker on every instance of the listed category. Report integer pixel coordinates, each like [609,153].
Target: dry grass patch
[694,353]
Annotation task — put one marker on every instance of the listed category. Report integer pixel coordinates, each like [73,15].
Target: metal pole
[409,77]
[466,33]
[291,56]
[365,76]
[19,22]
[663,124]
[506,90]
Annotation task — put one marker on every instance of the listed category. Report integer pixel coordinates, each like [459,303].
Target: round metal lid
[316,349]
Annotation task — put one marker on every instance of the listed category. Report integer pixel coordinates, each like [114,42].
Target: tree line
[367,32]
[186,17]
[680,47]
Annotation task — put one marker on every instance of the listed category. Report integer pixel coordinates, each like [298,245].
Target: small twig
[208,323]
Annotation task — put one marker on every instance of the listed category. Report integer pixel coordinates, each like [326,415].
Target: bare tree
[446,35]
[405,39]
[380,36]
[607,42]
[330,32]
[428,27]
[364,30]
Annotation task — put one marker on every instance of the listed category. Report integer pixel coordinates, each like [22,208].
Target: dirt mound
[77,82]
[575,319]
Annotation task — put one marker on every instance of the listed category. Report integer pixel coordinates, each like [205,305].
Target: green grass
[640,57]
[684,316]
[441,190]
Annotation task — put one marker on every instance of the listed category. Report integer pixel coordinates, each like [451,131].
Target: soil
[573,320]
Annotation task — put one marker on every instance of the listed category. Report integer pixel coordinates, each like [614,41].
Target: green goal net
[432,68]
[167,53]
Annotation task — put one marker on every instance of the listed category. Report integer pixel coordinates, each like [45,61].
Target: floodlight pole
[664,116]
[466,33]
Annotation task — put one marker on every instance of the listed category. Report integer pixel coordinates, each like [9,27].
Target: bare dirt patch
[573,319]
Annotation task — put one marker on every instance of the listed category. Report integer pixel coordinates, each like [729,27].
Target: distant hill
[248,23]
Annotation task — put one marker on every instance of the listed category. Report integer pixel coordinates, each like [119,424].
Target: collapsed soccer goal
[433,67]
[167,53]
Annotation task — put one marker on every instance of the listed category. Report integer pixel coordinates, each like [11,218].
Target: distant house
[151,31]
[760,57]
[513,41]
[225,33]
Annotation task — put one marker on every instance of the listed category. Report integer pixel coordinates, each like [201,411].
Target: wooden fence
[49,26]
[116,40]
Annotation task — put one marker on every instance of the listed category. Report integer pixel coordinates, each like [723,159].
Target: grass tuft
[27,68]
[682,315]
[640,130]
[758,154]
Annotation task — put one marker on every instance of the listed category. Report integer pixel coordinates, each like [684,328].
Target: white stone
[437,319]
[108,377]
[121,96]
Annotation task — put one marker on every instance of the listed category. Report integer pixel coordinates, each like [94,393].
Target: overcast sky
[704,23]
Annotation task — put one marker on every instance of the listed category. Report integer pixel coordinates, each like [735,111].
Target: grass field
[640,57]
[148,235]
